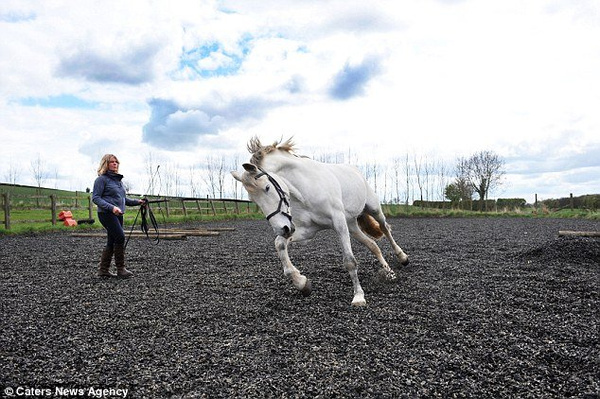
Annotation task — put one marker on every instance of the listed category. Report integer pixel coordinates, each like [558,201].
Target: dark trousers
[114,227]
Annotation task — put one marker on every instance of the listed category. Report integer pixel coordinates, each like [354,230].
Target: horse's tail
[369,225]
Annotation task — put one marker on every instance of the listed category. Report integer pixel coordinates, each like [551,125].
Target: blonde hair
[103,168]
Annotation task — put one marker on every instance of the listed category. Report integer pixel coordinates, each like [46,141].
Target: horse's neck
[294,171]
[283,164]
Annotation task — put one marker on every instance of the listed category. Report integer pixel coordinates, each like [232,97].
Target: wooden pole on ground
[570,233]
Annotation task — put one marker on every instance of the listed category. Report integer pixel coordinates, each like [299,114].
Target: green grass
[412,211]
[40,220]
[27,218]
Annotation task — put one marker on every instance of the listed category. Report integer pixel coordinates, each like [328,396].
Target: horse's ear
[236,175]
[251,168]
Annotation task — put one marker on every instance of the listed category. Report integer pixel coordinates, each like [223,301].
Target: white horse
[301,196]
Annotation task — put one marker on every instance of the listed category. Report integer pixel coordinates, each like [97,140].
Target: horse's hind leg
[385,228]
[300,282]
[368,242]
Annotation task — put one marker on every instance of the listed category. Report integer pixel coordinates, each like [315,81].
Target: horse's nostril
[286,230]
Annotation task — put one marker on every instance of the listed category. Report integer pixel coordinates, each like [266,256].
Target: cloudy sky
[177,82]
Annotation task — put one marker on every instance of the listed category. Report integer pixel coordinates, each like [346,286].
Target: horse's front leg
[300,282]
[350,262]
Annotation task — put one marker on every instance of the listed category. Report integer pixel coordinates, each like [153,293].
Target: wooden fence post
[212,205]
[571,202]
[183,207]
[6,210]
[53,207]
[90,207]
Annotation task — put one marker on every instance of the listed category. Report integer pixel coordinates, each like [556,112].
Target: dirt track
[486,308]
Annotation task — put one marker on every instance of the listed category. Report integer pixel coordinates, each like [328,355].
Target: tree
[152,173]
[442,183]
[418,164]
[483,172]
[452,192]
[38,168]
[215,175]
[13,173]
[459,191]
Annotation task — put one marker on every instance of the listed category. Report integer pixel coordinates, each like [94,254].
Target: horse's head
[271,194]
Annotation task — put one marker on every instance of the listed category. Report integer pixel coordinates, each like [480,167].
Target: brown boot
[120,262]
[104,264]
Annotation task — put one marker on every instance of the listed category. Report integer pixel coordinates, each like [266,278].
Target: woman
[109,196]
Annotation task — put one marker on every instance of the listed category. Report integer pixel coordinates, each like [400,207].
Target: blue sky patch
[229,63]
[17,16]
[61,101]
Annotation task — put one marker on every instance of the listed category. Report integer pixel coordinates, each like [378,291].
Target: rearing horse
[301,196]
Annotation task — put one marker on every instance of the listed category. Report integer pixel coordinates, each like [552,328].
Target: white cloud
[381,78]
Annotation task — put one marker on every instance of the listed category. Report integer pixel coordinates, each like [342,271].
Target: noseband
[280,192]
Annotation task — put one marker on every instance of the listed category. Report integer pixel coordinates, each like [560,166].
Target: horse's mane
[259,151]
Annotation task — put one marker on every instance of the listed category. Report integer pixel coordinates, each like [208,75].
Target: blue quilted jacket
[109,192]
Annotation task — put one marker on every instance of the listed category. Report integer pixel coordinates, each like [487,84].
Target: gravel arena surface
[487,308]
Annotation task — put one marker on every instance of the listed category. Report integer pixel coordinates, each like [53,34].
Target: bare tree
[408,171]
[376,169]
[396,179]
[385,183]
[215,175]
[55,177]
[38,169]
[152,167]
[418,164]
[329,157]
[483,171]
[443,174]
[428,178]
[193,183]
[12,174]
[167,179]
[233,165]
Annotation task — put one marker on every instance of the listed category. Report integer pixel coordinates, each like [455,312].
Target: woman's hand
[117,211]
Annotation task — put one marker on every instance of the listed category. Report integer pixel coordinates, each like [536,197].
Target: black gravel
[487,308]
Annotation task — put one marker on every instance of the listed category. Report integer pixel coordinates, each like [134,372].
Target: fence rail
[45,208]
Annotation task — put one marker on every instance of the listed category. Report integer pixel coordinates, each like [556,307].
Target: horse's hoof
[406,262]
[359,300]
[387,275]
[307,289]
[359,303]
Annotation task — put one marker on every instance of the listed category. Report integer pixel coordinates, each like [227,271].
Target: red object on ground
[63,215]
[67,218]
[70,222]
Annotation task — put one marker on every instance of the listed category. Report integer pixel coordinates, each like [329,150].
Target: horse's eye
[267,188]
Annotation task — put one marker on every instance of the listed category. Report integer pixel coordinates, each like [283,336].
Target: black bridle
[282,197]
